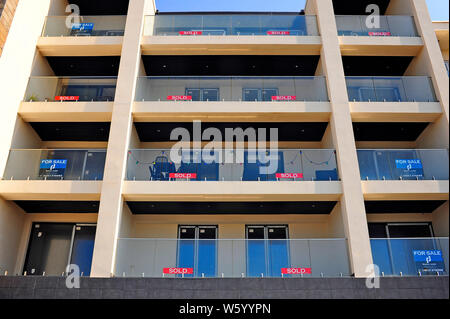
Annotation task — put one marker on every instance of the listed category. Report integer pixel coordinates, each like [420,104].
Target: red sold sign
[178,271]
[289,175]
[284,98]
[296,271]
[191,32]
[183,175]
[380,33]
[67,98]
[278,32]
[179,98]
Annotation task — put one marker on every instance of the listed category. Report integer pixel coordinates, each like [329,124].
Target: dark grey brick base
[17,287]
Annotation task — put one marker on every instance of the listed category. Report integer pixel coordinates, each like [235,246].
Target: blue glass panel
[186,254]
[256,258]
[278,257]
[207,258]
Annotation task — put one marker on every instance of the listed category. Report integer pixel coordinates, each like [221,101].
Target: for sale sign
[296,271]
[289,175]
[183,175]
[179,98]
[284,98]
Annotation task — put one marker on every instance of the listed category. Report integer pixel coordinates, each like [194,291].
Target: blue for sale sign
[410,168]
[52,167]
[429,260]
[83,26]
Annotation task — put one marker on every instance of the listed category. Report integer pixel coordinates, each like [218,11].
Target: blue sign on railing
[410,168]
[52,168]
[83,26]
[429,260]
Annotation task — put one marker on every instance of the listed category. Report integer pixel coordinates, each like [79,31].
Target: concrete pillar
[16,62]
[111,202]
[432,53]
[352,200]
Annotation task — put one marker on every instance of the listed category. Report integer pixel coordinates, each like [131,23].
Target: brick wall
[7,9]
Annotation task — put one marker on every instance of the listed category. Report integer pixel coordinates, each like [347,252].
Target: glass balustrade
[231,258]
[387,26]
[71,89]
[231,24]
[406,164]
[61,164]
[411,256]
[90,26]
[231,165]
[391,89]
[242,89]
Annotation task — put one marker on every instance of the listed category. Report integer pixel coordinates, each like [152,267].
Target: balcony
[88,26]
[232,89]
[231,24]
[391,89]
[404,174]
[395,36]
[51,165]
[216,32]
[91,35]
[202,98]
[83,99]
[411,256]
[229,165]
[49,175]
[390,26]
[403,164]
[231,258]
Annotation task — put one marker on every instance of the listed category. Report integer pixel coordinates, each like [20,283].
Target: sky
[438,8]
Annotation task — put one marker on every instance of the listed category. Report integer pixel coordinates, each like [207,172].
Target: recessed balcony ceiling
[402,206]
[102,7]
[401,132]
[287,132]
[376,65]
[67,131]
[78,207]
[219,65]
[357,7]
[231,208]
[85,66]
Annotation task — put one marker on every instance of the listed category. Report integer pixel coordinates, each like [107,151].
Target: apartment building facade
[100,97]
[7,9]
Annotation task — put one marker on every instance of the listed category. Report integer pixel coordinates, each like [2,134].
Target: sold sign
[289,175]
[380,33]
[278,32]
[296,271]
[178,271]
[191,32]
[67,98]
[179,98]
[284,98]
[183,175]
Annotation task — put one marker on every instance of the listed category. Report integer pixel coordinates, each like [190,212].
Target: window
[197,249]
[203,94]
[251,95]
[267,250]
[53,246]
[90,92]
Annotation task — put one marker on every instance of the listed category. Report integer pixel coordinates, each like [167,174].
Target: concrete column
[111,201]
[352,200]
[432,53]
[15,66]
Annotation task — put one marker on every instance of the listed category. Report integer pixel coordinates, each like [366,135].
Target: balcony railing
[394,26]
[391,89]
[232,258]
[87,165]
[71,89]
[411,256]
[408,164]
[246,89]
[91,26]
[231,24]
[232,165]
